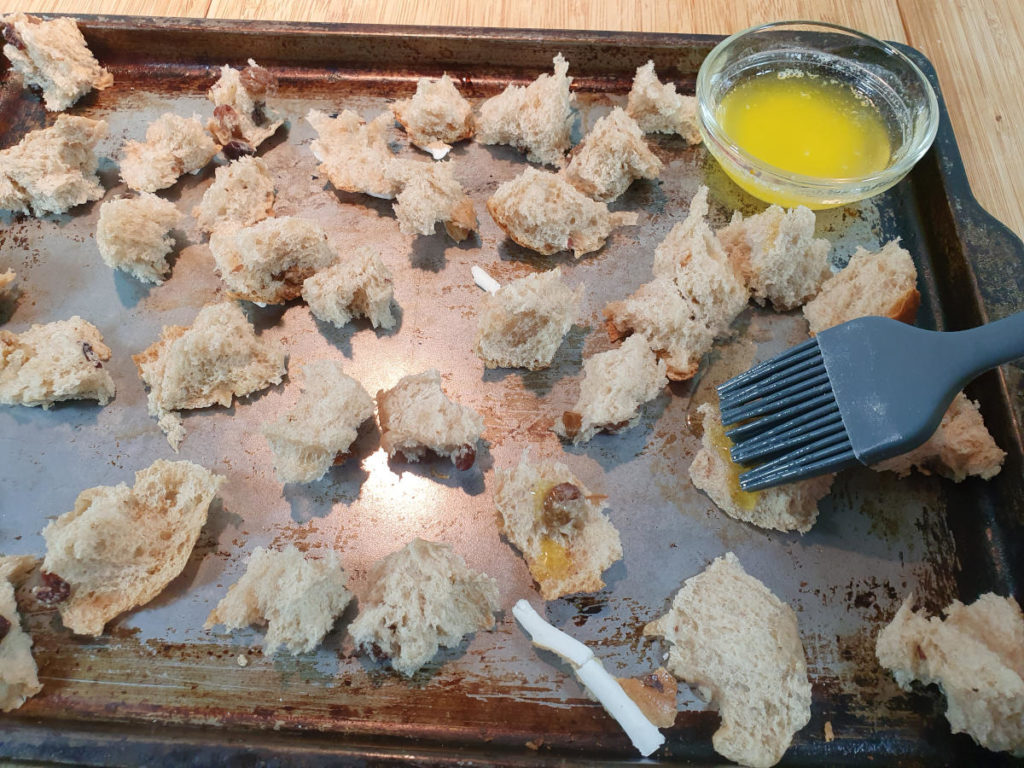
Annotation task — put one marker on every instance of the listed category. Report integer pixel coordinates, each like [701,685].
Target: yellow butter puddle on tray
[805,124]
[744,499]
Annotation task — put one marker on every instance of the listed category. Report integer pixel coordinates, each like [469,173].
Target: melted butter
[553,563]
[809,125]
[744,499]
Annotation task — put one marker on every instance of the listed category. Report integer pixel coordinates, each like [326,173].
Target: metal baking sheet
[157,688]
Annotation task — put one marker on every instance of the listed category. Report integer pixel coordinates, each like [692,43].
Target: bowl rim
[717,138]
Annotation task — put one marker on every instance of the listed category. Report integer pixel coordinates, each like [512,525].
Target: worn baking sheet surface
[877,538]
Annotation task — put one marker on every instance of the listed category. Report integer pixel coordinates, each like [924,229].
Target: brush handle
[987,346]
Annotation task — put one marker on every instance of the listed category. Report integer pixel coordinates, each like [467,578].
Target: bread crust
[119,547]
[739,645]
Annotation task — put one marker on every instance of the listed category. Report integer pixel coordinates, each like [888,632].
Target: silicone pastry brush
[862,391]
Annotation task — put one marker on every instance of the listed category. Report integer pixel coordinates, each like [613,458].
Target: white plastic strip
[484,280]
[645,737]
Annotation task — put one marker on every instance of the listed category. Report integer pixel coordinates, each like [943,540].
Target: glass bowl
[881,79]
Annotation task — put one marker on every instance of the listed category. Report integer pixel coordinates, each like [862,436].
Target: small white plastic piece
[645,737]
[438,153]
[551,638]
[484,280]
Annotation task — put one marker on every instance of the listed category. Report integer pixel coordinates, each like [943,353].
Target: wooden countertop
[977,47]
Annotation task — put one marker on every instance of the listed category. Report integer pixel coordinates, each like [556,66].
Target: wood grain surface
[977,47]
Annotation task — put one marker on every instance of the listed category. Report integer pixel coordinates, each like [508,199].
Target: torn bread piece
[615,385]
[119,547]
[882,283]
[693,299]
[241,118]
[421,598]
[219,357]
[536,119]
[961,447]
[543,212]
[558,524]
[523,323]
[976,657]
[353,155]
[241,195]
[134,235]
[298,598]
[657,108]
[320,428]
[739,646]
[777,255]
[19,676]
[416,416]
[174,146]
[54,362]
[360,285]
[436,116]
[428,193]
[790,507]
[588,668]
[610,157]
[52,169]
[268,261]
[52,56]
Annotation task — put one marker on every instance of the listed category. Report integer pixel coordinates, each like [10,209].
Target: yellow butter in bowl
[800,113]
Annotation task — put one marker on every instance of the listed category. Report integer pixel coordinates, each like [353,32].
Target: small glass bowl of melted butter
[807,113]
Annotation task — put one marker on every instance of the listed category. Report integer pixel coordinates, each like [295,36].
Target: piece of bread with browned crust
[416,416]
[54,362]
[19,677]
[119,547]
[615,385]
[320,428]
[536,118]
[53,169]
[610,157]
[217,358]
[174,146]
[790,507]
[523,324]
[353,155]
[241,195]
[436,116]
[268,261]
[242,120]
[296,596]
[543,212]
[657,108]
[52,56]
[558,525]
[739,646]
[427,193]
[421,598]
[778,255]
[882,283]
[976,657]
[133,234]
